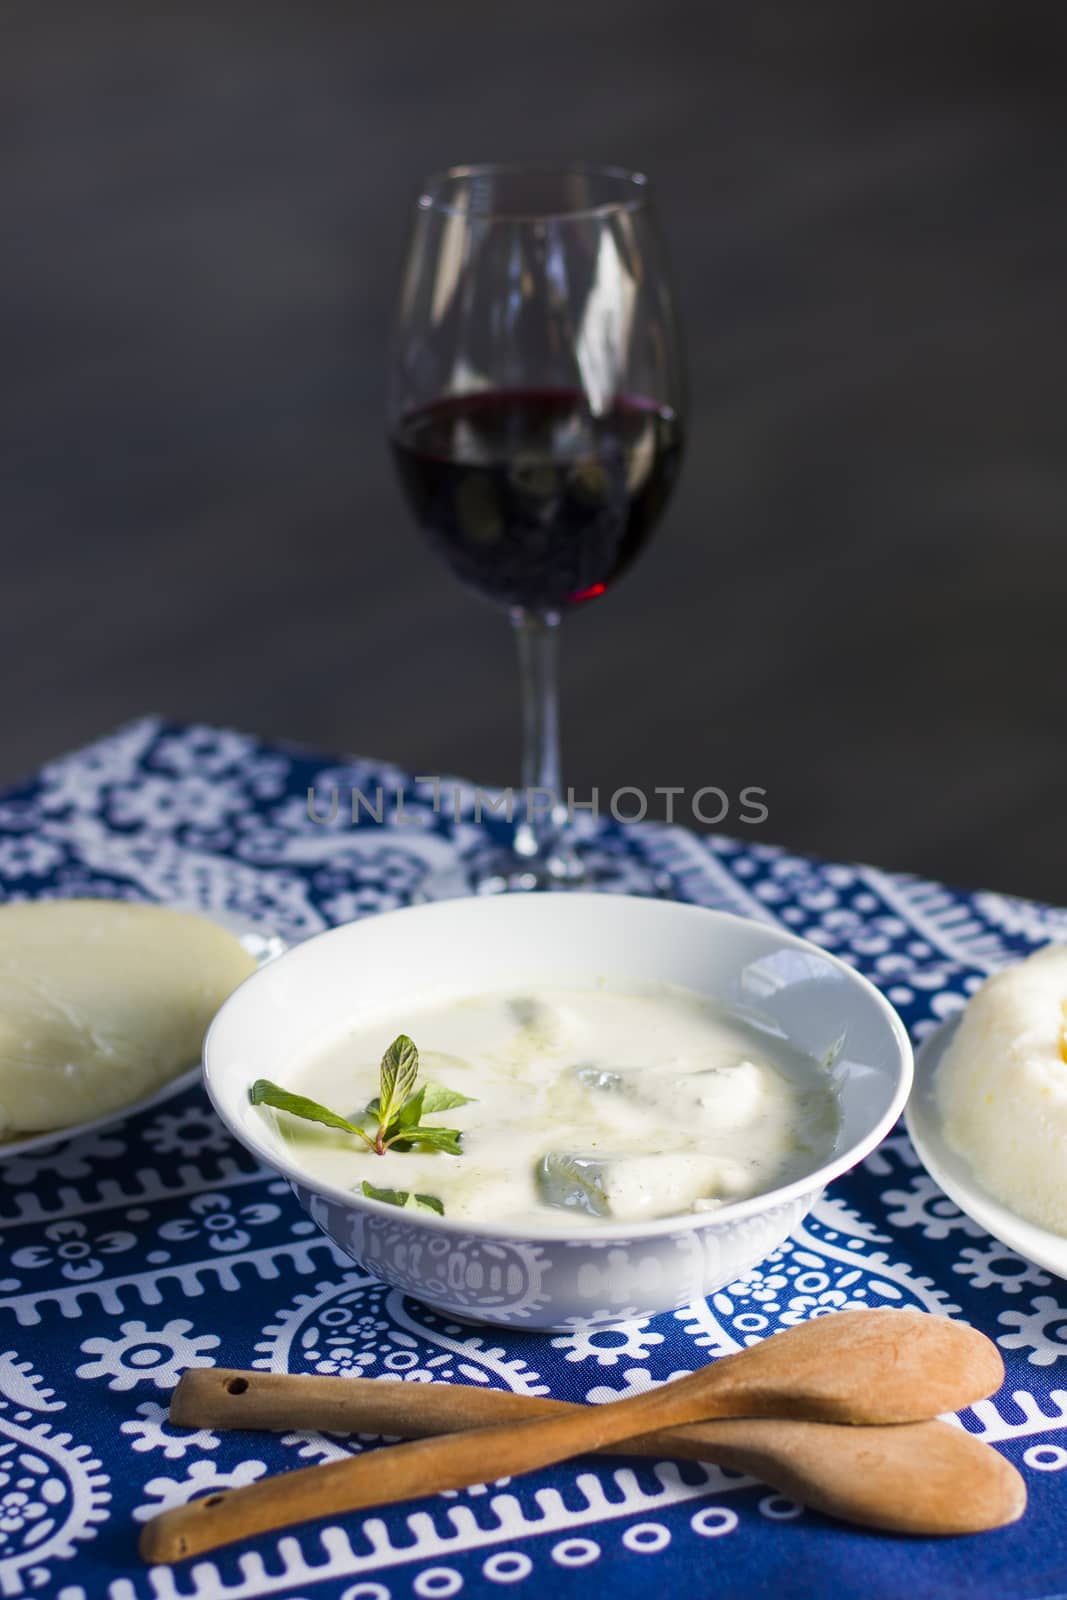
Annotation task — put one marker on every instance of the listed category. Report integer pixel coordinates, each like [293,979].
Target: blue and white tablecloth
[129,1254]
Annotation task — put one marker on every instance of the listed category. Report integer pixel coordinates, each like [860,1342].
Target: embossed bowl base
[554,1285]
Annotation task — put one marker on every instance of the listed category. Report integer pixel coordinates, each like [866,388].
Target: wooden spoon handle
[452,1461]
[220,1397]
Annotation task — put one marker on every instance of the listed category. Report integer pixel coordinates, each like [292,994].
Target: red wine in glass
[532,500]
[535,418]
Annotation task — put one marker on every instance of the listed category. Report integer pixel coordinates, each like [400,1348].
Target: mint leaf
[437,1098]
[404,1199]
[410,1112]
[427,1101]
[400,1068]
[265,1093]
[447,1139]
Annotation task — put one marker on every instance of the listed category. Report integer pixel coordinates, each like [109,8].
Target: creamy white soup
[586,1107]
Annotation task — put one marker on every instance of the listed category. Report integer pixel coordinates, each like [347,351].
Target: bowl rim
[593,1233]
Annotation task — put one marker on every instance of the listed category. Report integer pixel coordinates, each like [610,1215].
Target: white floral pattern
[78,1254]
[140,1355]
[606,1346]
[1041,1331]
[192,1131]
[151,1431]
[27,857]
[220,1221]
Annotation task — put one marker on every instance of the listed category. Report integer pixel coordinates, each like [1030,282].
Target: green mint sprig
[393,1119]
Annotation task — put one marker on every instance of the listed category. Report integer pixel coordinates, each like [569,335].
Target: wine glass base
[503,871]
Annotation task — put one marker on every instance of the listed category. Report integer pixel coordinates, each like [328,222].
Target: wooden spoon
[915,1477]
[871,1366]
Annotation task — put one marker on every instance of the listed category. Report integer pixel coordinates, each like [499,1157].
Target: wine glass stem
[540,808]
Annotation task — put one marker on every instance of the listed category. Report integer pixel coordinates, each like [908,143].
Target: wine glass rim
[633,196]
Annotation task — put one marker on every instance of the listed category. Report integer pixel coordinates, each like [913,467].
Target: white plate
[262,946]
[954,1172]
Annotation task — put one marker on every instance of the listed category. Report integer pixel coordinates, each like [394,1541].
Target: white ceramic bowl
[557,1276]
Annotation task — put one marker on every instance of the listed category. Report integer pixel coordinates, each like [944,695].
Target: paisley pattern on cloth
[133,1252]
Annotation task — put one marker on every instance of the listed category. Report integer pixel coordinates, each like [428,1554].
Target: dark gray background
[858,597]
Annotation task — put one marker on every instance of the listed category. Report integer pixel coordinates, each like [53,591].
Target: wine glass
[535,418]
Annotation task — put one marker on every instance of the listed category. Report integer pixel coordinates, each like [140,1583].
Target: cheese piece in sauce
[588,1106]
[101,1002]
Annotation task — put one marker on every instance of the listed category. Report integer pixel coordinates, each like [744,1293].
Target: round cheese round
[102,1002]
[1002,1087]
